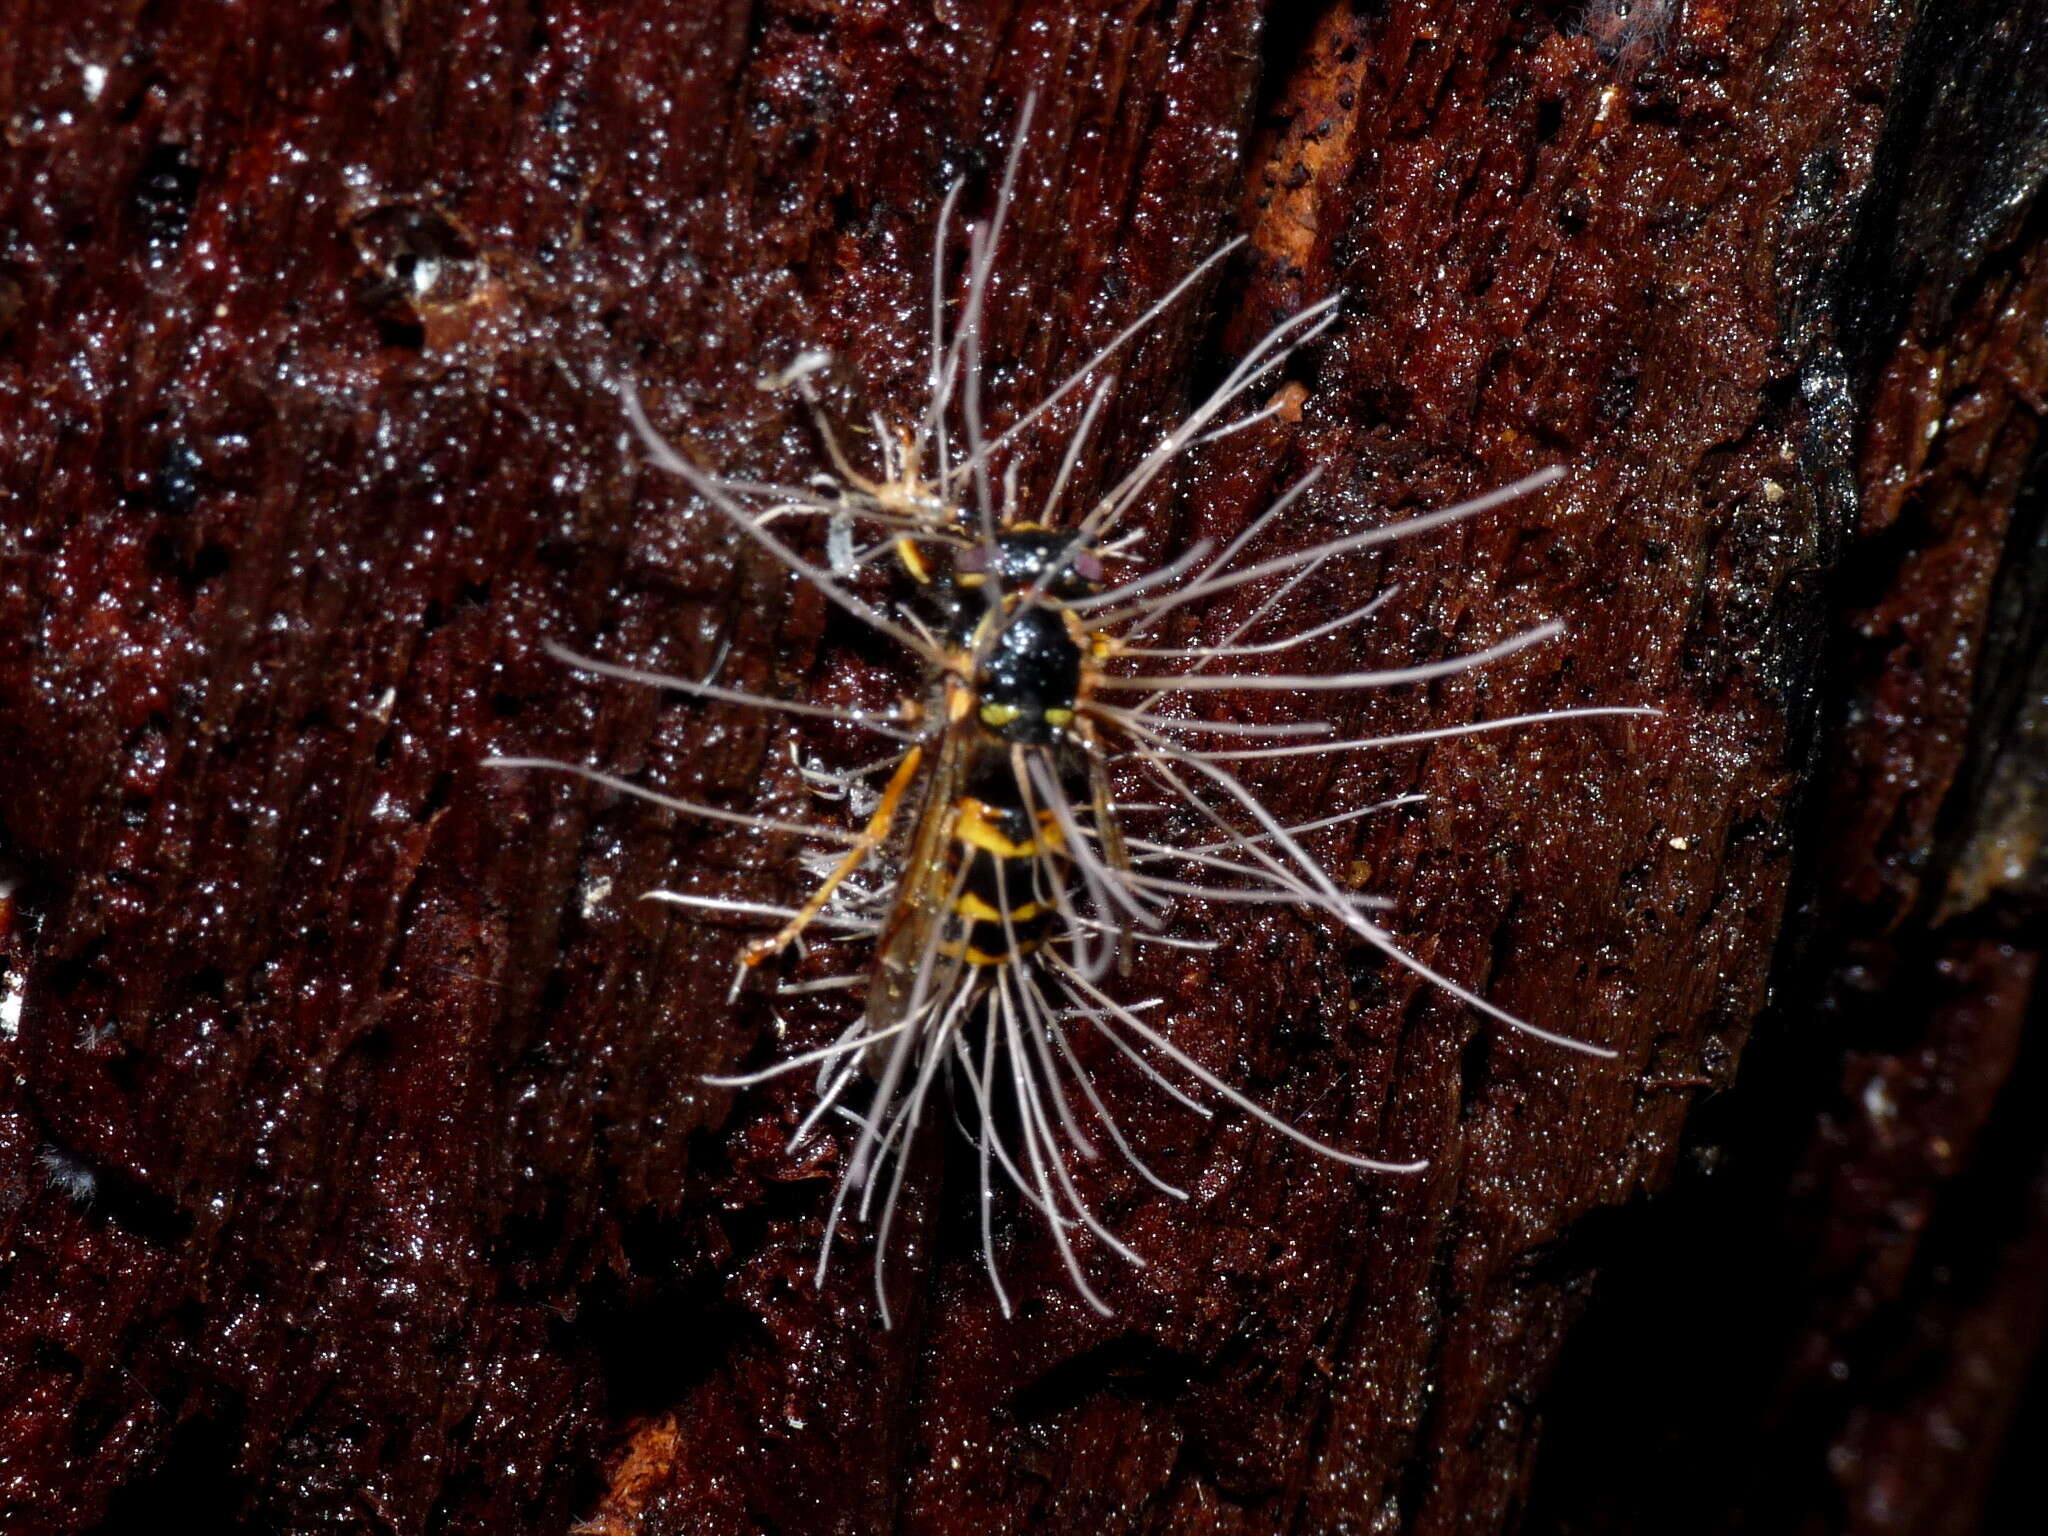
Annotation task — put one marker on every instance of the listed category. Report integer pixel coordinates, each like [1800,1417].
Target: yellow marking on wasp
[972,906]
[1058,716]
[975,829]
[913,561]
[1000,715]
[872,836]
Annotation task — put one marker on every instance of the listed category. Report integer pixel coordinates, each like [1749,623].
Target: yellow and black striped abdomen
[1011,865]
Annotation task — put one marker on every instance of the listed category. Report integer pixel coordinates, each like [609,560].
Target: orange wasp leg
[872,837]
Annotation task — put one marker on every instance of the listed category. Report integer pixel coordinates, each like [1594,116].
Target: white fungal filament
[1059,904]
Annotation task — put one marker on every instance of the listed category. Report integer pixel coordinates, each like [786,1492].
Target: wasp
[999,877]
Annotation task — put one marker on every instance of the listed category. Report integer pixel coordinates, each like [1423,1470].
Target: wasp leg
[872,837]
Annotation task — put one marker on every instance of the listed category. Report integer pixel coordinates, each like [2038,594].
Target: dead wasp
[997,874]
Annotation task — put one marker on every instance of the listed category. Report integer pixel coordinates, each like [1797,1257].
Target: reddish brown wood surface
[355,1170]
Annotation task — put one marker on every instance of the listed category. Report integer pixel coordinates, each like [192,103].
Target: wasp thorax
[1026,688]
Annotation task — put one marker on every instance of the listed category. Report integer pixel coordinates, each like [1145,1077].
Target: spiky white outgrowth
[946,490]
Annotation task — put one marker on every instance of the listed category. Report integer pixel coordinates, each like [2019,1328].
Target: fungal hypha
[1015,838]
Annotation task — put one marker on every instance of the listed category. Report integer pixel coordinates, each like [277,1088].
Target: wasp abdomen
[1010,860]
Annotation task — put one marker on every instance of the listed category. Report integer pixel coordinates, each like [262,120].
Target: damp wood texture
[356,1170]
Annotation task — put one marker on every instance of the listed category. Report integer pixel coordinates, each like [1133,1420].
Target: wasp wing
[916,968]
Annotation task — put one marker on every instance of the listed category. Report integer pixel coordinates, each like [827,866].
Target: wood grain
[355,1168]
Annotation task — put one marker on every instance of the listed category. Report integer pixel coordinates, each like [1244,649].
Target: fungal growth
[1018,839]
[1629,34]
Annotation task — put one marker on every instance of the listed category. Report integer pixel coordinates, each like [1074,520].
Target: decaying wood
[355,1167]
[1882,1160]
